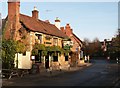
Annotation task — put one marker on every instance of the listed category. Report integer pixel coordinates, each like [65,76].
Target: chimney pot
[67,25]
[13,0]
[57,19]
[57,23]
[35,8]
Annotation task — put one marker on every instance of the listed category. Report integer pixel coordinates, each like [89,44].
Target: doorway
[47,61]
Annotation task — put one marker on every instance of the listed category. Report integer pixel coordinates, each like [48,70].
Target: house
[31,30]
[106,45]
[76,43]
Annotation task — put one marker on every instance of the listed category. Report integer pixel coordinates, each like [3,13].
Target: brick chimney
[68,30]
[62,29]
[13,16]
[13,10]
[35,13]
[57,23]
[67,26]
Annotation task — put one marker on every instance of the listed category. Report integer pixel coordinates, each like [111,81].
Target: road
[101,73]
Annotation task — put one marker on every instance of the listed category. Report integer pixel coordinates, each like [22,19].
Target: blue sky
[87,19]
[119,15]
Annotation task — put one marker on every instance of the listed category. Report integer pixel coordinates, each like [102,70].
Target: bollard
[117,60]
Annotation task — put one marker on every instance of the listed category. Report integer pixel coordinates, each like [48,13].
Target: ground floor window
[55,58]
[66,58]
[38,57]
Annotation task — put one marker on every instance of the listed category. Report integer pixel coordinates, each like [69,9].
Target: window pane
[66,58]
[55,41]
[55,58]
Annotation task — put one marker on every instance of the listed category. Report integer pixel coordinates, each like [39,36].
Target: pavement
[117,84]
[53,73]
[58,72]
[45,74]
[101,73]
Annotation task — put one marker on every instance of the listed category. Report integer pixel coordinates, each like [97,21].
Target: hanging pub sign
[67,47]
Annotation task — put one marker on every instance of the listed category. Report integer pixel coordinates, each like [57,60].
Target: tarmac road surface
[101,73]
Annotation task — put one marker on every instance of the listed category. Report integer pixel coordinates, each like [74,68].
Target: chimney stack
[13,17]
[67,26]
[35,13]
[68,30]
[13,9]
[62,29]
[57,23]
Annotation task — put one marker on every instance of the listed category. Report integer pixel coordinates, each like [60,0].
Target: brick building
[30,30]
[77,44]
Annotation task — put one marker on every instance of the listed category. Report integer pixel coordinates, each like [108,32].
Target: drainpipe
[17,61]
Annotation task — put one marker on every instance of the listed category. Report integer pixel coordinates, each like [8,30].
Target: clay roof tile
[41,26]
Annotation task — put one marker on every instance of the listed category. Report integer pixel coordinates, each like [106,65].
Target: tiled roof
[77,39]
[41,26]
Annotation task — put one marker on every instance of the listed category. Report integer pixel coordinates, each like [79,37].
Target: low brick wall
[55,66]
[58,66]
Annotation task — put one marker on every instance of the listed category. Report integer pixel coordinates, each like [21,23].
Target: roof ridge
[38,19]
[41,26]
[77,37]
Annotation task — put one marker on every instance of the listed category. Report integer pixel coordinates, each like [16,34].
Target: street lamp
[107,45]
[117,60]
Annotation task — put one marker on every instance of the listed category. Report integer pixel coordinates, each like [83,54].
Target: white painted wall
[57,24]
[24,61]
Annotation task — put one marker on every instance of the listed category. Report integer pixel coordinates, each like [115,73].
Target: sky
[87,19]
[119,15]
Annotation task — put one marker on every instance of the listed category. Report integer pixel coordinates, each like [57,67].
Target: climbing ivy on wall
[52,50]
[8,50]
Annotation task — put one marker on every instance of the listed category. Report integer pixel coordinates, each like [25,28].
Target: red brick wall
[13,10]
[13,20]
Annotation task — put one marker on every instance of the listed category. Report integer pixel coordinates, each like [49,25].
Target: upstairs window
[48,37]
[39,37]
[55,41]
